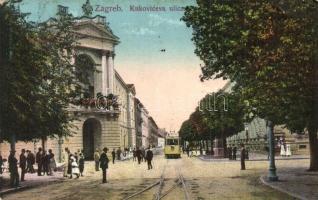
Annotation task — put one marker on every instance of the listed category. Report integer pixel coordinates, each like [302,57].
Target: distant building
[153,132]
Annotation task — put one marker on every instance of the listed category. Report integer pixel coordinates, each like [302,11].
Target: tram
[172,147]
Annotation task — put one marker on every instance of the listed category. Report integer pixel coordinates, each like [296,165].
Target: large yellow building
[97,127]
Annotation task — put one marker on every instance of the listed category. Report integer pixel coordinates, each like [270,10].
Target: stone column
[104,73]
[111,71]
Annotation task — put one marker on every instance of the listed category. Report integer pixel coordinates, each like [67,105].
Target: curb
[264,182]
[22,188]
[251,160]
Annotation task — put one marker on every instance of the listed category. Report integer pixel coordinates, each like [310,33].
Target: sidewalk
[252,157]
[31,180]
[297,183]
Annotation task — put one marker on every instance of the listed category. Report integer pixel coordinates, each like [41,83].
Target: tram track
[164,188]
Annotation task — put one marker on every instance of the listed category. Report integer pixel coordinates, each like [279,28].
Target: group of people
[143,155]
[73,163]
[102,160]
[243,154]
[44,159]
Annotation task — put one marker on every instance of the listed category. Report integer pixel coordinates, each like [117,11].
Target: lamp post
[271,142]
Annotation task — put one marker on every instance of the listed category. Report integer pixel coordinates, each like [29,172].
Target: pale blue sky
[149,31]
[166,82]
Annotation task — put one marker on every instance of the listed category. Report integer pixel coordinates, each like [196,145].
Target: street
[204,180]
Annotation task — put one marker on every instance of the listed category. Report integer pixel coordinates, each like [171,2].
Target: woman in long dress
[52,163]
[75,169]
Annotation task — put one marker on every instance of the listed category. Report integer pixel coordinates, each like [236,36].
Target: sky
[167,83]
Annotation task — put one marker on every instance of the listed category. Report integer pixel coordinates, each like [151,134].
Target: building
[153,132]
[97,127]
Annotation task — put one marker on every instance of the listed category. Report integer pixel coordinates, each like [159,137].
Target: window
[171,142]
[302,146]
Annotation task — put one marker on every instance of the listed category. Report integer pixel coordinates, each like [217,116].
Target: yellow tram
[172,147]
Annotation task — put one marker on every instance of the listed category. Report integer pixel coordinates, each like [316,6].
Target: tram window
[172,142]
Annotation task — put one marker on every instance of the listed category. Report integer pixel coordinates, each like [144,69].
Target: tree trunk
[12,142]
[313,149]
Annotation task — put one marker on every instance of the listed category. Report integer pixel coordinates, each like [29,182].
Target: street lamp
[271,142]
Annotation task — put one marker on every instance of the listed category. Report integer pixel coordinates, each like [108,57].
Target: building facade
[96,127]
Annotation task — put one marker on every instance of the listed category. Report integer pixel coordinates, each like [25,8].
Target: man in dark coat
[30,162]
[113,156]
[1,163]
[39,161]
[143,153]
[46,163]
[139,155]
[230,153]
[118,153]
[13,169]
[188,150]
[234,150]
[149,156]
[22,164]
[243,154]
[104,163]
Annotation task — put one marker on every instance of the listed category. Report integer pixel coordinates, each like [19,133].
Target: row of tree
[218,115]
[37,76]
[269,49]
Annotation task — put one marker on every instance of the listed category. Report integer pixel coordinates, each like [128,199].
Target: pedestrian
[46,163]
[30,162]
[104,163]
[118,153]
[75,169]
[139,155]
[96,158]
[247,157]
[52,163]
[69,165]
[149,156]
[267,151]
[81,162]
[243,154]
[113,156]
[1,163]
[143,153]
[22,164]
[13,169]
[230,153]
[66,161]
[234,151]
[188,150]
[39,161]
[134,155]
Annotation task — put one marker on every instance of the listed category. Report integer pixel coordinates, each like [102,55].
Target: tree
[223,113]
[269,49]
[38,80]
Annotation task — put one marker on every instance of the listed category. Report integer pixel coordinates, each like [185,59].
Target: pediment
[91,29]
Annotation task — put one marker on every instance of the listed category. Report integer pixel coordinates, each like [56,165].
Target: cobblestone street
[204,180]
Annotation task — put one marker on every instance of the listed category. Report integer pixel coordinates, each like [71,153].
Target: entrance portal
[91,137]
